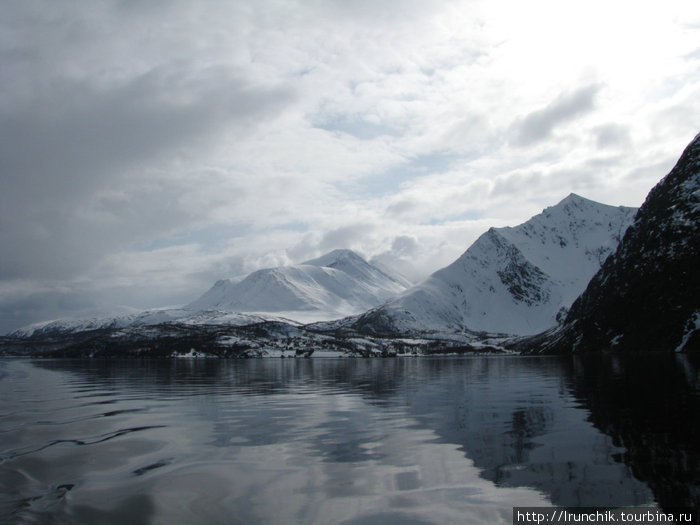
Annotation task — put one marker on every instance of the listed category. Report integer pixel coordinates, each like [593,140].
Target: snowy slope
[58,327]
[68,325]
[513,280]
[336,284]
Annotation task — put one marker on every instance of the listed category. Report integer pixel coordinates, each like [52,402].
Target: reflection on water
[651,407]
[329,441]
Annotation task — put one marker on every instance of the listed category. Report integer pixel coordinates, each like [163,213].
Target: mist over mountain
[334,285]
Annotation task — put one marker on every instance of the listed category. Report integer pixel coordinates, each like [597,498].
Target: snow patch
[691,327]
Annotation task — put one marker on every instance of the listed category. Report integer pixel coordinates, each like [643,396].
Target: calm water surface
[411,441]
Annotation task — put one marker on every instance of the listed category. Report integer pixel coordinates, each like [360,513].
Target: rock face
[517,280]
[646,297]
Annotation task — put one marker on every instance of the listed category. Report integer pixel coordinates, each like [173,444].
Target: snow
[338,284]
[194,354]
[147,318]
[74,325]
[692,326]
[514,280]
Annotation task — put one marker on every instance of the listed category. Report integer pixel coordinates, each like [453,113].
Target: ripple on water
[300,441]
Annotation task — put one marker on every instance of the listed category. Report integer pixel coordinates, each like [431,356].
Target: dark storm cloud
[34,306]
[78,138]
[100,100]
[540,124]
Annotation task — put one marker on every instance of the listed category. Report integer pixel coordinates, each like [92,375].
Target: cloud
[34,305]
[517,182]
[346,236]
[405,245]
[612,136]
[539,125]
[81,147]
[402,207]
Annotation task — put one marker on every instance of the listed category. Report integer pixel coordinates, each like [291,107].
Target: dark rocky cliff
[646,296]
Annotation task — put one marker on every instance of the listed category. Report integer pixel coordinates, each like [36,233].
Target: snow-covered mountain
[337,284]
[514,280]
[646,297]
[153,317]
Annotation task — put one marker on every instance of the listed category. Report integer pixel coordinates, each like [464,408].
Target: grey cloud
[401,207]
[559,181]
[79,139]
[650,172]
[401,257]
[540,124]
[612,135]
[21,310]
[516,183]
[369,11]
[358,128]
[79,133]
[345,237]
[306,248]
[405,245]
[605,162]
[314,244]
[99,100]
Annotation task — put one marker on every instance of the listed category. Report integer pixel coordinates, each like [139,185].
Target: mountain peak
[336,284]
[574,197]
[514,280]
[576,200]
[574,209]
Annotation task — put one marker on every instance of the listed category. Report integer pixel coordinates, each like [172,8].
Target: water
[365,441]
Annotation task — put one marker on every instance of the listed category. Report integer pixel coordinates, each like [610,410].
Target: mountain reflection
[594,431]
[650,405]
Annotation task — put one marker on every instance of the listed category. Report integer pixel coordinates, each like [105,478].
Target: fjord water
[406,440]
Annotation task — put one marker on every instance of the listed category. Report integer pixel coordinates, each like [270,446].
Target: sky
[148,149]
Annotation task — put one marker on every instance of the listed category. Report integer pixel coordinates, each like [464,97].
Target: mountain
[138,319]
[337,284]
[646,297]
[514,280]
